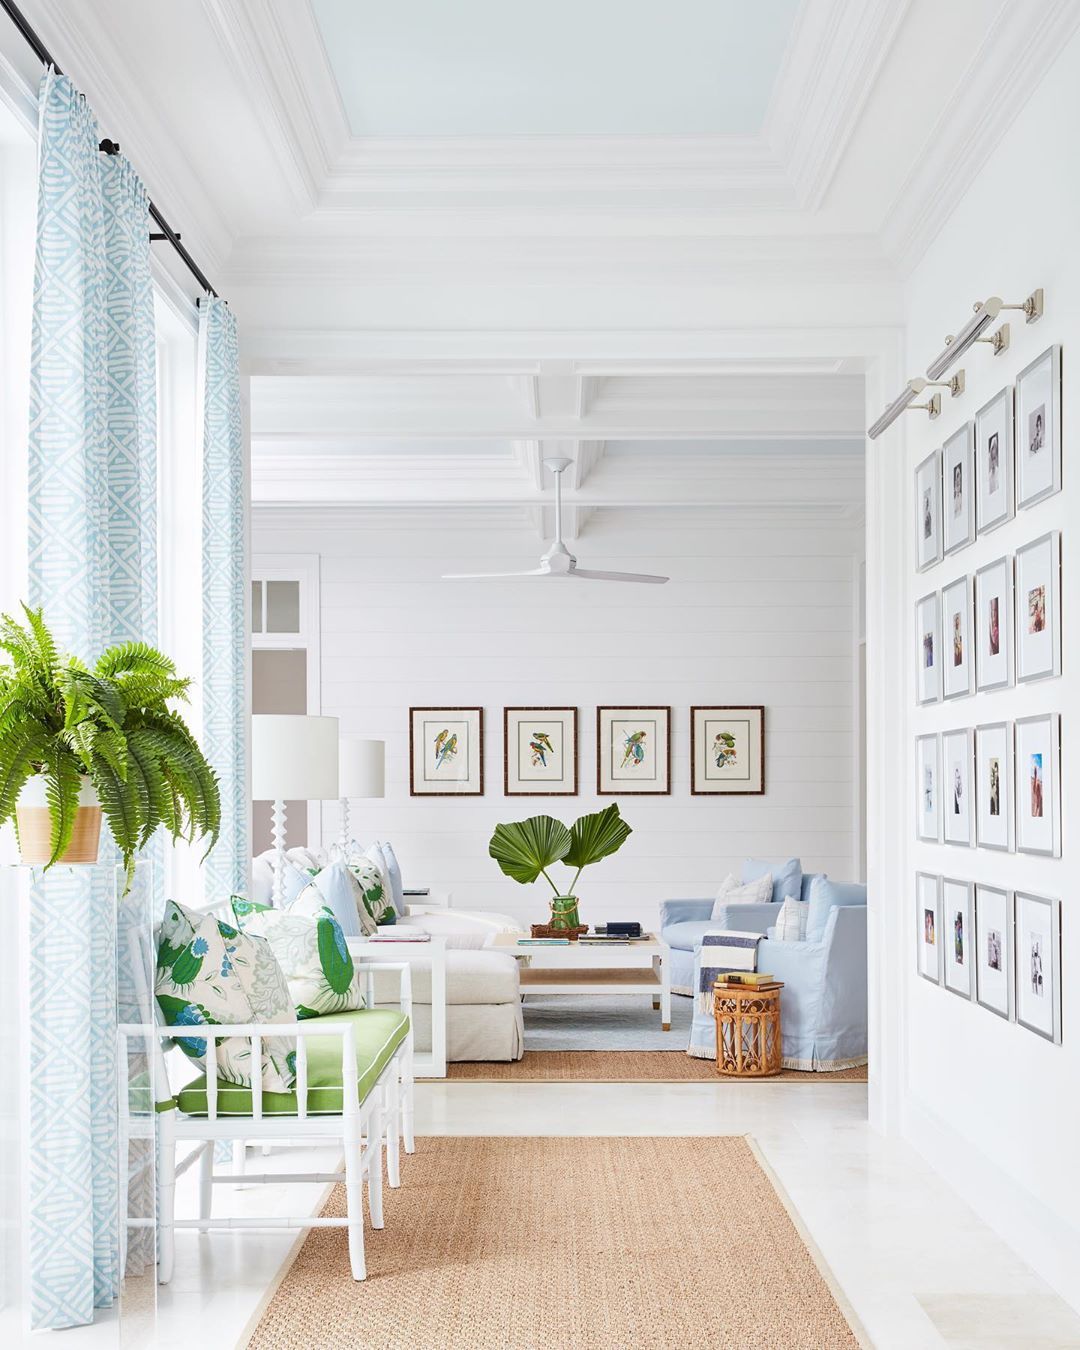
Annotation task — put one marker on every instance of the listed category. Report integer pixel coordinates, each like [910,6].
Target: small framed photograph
[1038,785]
[540,752]
[1037,939]
[1038,608]
[446,752]
[633,752]
[727,751]
[994,950]
[958,660]
[928,788]
[958,813]
[994,786]
[958,488]
[994,625]
[928,511]
[994,462]
[957,937]
[928,925]
[928,647]
[1038,428]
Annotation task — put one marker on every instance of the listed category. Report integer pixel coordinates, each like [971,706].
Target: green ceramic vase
[564,912]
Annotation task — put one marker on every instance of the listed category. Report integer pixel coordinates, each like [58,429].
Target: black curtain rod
[18,18]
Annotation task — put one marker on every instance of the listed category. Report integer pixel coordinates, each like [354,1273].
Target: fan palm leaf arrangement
[525,849]
[112,725]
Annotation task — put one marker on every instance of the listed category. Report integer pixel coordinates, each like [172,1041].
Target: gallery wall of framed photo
[986,652]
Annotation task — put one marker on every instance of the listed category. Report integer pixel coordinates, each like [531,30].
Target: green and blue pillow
[311,949]
[211,974]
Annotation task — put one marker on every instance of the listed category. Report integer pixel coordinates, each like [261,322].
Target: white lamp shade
[361,768]
[293,757]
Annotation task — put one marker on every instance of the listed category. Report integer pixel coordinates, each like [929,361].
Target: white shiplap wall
[750,616]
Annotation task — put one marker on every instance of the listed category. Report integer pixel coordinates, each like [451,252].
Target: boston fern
[111,724]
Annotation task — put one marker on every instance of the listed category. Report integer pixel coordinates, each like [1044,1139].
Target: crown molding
[466,250]
[1021,43]
[837,48]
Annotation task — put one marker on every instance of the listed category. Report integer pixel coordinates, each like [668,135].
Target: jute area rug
[558,1243]
[625,1066]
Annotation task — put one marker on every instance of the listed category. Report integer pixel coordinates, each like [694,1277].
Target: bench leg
[392,1107]
[166,1181]
[206,1185]
[375,1141]
[406,1091]
[354,1196]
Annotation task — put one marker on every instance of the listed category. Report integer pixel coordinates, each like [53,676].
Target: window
[285,668]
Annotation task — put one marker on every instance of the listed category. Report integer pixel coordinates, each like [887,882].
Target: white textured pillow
[731,892]
[791,921]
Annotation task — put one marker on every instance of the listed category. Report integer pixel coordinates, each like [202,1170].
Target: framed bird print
[727,751]
[540,756]
[446,752]
[633,752]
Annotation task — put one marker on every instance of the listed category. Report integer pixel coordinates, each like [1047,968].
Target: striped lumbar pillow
[791,921]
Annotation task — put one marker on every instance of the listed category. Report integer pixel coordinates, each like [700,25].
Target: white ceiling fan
[558,561]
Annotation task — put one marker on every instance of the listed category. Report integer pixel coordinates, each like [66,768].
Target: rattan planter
[34,821]
[545,930]
[747,1030]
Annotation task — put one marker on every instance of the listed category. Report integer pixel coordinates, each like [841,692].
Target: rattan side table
[747,1030]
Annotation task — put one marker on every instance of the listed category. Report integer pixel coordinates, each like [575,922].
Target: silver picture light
[985,315]
[905,402]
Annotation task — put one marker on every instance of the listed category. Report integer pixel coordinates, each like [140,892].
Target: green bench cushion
[379,1032]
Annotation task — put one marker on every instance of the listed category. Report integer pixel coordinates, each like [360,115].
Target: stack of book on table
[405,935]
[750,979]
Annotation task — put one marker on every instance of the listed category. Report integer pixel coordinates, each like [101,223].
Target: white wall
[750,616]
[994,1106]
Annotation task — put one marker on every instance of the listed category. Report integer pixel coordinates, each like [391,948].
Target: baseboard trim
[1039,1236]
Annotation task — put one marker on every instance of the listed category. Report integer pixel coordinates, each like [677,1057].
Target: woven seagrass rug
[561,1243]
[625,1066]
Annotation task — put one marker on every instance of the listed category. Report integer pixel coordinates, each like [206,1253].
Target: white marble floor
[916,1266]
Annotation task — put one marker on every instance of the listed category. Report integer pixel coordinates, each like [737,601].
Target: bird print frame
[727,751]
[540,752]
[633,752]
[446,752]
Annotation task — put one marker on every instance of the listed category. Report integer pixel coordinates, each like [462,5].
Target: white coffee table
[638,967]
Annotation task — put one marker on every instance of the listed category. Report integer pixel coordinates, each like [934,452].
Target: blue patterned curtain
[93,566]
[224,581]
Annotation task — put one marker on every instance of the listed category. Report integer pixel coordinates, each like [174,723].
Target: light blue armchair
[682,922]
[823,1003]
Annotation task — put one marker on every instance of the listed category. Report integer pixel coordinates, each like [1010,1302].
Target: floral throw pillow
[311,949]
[211,974]
[375,885]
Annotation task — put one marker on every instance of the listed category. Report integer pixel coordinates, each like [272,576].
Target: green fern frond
[62,785]
[111,746]
[134,658]
[41,639]
[120,804]
[21,750]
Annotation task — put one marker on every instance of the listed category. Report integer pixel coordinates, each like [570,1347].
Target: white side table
[426,1064]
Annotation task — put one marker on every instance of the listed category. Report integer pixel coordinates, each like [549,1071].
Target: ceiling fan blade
[590,575]
[493,576]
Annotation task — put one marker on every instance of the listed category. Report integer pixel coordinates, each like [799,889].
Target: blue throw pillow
[787,876]
[825,896]
[393,869]
[342,895]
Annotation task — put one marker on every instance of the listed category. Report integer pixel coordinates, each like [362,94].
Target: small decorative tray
[545,930]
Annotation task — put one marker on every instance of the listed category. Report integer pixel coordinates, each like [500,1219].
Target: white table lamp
[361,773]
[293,757]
